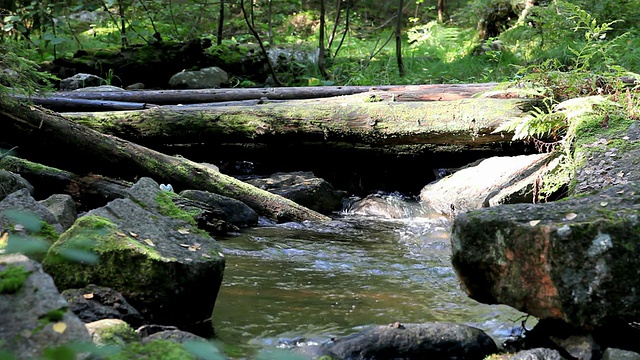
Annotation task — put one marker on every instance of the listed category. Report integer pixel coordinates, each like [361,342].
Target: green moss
[118,334]
[157,349]
[54,315]
[48,232]
[12,279]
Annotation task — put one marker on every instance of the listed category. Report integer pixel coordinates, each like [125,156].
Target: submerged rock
[34,314]
[574,260]
[151,252]
[415,341]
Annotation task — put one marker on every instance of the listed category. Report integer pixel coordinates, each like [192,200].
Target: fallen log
[61,104]
[469,122]
[168,97]
[89,191]
[48,138]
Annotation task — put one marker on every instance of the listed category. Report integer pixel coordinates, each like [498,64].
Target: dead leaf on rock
[570,216]
[59,327]
[88,296]
[534,222]
[604,203]
[183,231]
[134,235]
[149,242]
[18,227]
[121,234]
[184,245]
[192,248]
[4,239]
[206,256]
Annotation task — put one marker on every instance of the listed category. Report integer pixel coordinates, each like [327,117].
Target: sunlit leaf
[134,235]
[570,216]
[534,222]
[183,231]
[604,203]
[88,296]
[60,327]
[149,242]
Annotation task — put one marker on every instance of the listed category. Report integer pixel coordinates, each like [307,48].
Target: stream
[296,283]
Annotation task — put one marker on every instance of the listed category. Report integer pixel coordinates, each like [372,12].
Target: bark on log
[60,104]
[167,97]
[46,137]
[469,122]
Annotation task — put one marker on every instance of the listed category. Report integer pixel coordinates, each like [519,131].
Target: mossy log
[468,122]
[167,97]
[48,138]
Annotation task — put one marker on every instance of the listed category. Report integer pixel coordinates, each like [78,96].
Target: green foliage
[12,279]
[18,74]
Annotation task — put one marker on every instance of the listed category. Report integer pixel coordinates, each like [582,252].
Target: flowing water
[316,281]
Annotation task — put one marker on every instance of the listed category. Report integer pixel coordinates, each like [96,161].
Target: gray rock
[415,341]
[63,207]
[618,354]
[237,212]
[535,354]
[11,182]
[388,207]
[304,188]
[21,207]
[579,346]
[81,80]
[207,78]
[93,303]
[135,86]
[112,332]
[566,260]
[29,314]
[177,336]
[494,181]
[150,252]
[103,88]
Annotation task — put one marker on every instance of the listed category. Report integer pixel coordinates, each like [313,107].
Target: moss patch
[157,349]
[12,279]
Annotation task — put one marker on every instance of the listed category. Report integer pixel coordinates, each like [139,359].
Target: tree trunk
[370,121]
[165,97]
[50,139]
[321,50]
[441,10]
[399,39]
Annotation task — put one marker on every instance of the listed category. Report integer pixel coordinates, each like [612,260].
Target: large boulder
[207,78]
[304,188]
[437,341]
[150,251]
[574,260]
[494,181]
[34,314]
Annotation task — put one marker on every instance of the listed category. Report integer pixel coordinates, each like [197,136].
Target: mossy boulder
[34,314]
[12,182]
[149,251]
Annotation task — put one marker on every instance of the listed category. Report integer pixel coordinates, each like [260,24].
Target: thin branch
[264,51]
